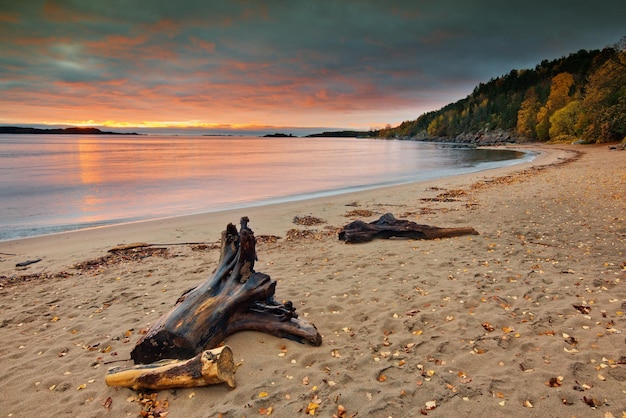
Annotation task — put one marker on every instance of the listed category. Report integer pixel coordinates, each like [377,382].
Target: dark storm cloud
[347,63]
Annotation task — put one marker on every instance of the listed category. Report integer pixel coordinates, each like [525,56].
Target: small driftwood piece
[207,368]
[234,298]
[27,262]
[387,226]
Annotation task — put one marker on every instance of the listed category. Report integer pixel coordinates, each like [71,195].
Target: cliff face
[487,137]
[481,138]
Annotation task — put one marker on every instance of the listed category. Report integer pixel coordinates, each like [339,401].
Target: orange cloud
[7,17]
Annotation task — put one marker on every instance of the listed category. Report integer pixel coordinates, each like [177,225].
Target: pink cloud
[202,44]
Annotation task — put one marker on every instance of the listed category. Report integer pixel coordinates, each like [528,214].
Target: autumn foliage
[578,97]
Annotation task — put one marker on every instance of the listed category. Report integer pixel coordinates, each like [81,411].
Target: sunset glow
[244,66]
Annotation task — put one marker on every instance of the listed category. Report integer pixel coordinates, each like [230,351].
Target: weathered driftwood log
[388,226]
[207,368]
[232,299]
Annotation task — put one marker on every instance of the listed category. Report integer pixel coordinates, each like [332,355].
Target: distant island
[345,134]
[279,135]
[56,131]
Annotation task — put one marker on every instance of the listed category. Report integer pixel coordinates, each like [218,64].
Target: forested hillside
[578,97]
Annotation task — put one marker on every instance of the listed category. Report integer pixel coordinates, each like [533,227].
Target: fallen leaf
[528,404]
[107,403]
[341,412]
[263,395]
[591,401]
[266,411]
[582,308]
[431,405]
[313,405]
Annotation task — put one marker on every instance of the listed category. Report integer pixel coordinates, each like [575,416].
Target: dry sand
[525,319]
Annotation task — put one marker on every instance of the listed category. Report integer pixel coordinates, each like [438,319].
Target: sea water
[55,183]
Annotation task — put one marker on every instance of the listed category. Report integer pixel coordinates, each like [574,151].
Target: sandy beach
[527,319]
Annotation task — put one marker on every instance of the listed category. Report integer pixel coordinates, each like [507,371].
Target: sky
[291,66]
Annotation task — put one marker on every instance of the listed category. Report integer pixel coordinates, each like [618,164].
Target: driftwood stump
[232,299]
[388,226]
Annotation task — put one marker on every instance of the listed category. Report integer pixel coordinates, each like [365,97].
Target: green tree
[565,123]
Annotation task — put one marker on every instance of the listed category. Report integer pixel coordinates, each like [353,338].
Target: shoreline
[42,245]
[128,215]
[524,320]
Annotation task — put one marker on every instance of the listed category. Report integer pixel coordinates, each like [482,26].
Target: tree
[566,123]
[527,115]
[605,100]
[558,98]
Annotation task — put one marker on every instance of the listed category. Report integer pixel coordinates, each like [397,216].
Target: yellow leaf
[263,395]
[83,386]
[311,407]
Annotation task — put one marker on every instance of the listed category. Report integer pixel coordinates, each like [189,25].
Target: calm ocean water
[54,183]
